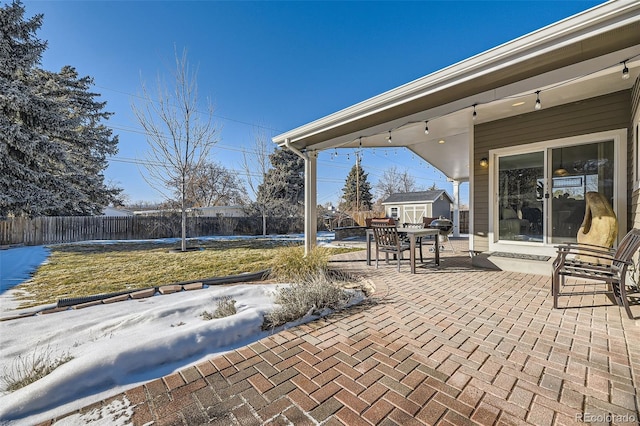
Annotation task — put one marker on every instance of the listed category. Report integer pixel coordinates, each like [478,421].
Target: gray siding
[634,208]
[593,115]
[441,208]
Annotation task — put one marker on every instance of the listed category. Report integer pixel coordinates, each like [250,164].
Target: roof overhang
[573,59]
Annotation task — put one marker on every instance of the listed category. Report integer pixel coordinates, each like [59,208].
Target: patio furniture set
[595,263]
[390,239]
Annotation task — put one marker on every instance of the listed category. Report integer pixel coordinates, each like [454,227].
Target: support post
[310,201]
[310,196]
[456,208]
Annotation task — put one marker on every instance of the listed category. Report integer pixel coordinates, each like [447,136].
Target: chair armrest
[572,244]
[593,254]
[591,248]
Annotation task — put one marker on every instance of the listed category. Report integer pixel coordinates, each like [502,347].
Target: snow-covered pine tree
[356,193]
[282,191]
[53,146]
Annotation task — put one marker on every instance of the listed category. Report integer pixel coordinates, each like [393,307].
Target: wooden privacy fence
[67,229]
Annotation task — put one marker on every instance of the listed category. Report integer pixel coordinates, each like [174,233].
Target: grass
[77,270]
[31,367]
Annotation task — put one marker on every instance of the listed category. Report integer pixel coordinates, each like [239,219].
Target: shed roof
[416,197]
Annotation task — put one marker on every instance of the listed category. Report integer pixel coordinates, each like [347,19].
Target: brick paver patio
[446,346]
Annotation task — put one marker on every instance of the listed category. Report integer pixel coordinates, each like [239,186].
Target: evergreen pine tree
[53,146]
[282,191]
[356,194]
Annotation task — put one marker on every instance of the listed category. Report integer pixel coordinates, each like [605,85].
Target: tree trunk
[184,217]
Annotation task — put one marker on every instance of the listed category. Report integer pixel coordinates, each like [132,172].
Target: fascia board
[404,203]
[589,23]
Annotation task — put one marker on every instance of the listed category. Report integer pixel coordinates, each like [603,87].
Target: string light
[538,105]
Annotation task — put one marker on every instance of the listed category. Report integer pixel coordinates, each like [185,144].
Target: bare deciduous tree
[214,185]
[179,136]
[394,181]
[256,165]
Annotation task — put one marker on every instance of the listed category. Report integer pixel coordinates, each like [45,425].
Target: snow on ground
[17,264]
[120,345]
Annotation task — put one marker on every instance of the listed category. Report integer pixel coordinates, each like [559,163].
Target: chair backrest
[627,248]
[386,236]
[413,225]
[382,221]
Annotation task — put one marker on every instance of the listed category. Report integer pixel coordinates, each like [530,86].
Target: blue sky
[276,65]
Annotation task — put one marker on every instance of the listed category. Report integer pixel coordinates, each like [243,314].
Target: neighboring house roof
[416,197]
[574,59]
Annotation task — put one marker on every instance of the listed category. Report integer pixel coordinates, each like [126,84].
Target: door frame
[619,138]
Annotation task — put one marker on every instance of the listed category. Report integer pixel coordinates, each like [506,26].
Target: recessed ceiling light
[518,104]
[441,141]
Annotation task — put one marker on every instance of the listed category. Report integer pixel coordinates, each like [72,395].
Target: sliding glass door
[576,170]
[520,197]
[541,194]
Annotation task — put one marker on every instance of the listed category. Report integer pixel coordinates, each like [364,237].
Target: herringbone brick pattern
[447,346]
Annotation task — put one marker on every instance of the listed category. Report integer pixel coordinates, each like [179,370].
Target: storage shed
[411,207]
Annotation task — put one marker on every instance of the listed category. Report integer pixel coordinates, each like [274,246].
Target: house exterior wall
[633,187]
[441,208]
[602,113]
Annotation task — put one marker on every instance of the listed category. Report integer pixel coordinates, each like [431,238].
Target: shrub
[290,263]
[308,295]
[226,306]
[31,367]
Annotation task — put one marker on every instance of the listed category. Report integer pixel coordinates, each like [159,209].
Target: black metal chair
[596,263]
[388,241]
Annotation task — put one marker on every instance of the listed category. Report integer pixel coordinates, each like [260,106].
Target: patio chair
[388,241]
[405,238]
[597,263]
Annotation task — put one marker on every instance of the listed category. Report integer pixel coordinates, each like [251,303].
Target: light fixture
[538,103]
[475,114]
[484,162]
[426,127]
[389,138]
[625,71]
[441,141]
[517,104]
[560,171]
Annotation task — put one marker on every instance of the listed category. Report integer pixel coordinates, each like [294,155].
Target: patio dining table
[413,234]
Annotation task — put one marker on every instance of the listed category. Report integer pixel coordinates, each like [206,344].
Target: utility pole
[358,182]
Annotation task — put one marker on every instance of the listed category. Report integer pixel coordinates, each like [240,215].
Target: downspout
[295,150]
[310,196]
